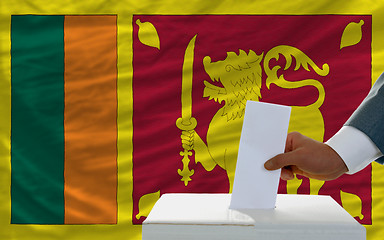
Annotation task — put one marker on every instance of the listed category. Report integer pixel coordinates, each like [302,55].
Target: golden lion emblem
[241,78]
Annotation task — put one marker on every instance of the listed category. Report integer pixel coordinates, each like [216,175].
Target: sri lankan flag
[106,105]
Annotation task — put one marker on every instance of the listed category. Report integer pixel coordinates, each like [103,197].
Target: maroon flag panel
[325,61]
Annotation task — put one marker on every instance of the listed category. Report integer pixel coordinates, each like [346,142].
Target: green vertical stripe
[37,131]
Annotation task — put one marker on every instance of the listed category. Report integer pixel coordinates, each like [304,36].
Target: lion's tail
[302,60]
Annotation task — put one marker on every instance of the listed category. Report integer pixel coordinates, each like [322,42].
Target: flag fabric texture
[63,120]
[107,105]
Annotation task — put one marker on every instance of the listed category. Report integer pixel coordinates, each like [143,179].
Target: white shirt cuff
[355,148]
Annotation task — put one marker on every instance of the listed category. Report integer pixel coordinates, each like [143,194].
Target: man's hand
[307,157]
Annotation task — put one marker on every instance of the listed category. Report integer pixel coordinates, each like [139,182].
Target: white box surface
[208,217]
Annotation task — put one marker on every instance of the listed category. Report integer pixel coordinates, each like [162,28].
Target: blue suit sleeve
[369,116]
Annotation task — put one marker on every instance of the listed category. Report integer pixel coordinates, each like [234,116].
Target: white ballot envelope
[263,136]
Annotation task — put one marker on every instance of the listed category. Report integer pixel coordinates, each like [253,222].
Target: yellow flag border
[125,9]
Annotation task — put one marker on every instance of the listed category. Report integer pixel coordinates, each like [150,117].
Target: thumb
[280,161]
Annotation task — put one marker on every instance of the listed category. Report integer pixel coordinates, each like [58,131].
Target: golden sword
[186,122]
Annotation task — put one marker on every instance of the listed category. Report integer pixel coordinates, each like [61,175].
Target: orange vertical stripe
[90,119]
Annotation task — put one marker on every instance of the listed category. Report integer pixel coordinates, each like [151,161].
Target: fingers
[287,174]
[293,139]
[281,161]
[286,159]
[307,157]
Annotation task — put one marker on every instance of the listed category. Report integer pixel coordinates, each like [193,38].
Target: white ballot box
[208,217]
